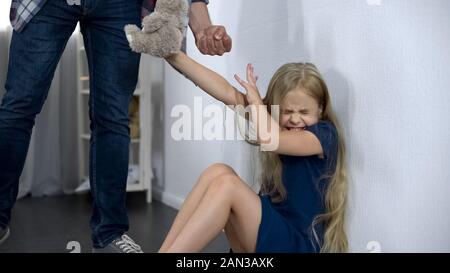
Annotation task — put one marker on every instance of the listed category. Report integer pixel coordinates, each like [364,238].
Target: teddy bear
[162,31]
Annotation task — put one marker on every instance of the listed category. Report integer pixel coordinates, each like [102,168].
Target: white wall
[4,38]
[4,13]
[387,70]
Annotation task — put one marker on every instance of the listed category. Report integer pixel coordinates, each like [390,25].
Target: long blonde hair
[287,78]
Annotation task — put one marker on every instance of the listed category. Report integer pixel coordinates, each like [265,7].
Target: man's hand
[213,40]
[210,39]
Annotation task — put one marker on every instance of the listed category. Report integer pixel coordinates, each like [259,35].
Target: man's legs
[34,55]
[113,77]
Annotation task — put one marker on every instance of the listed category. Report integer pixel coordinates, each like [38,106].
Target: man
[41,31]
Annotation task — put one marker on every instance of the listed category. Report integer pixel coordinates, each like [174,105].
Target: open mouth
[295,129]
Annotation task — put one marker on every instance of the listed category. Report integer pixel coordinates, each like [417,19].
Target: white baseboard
[167,198]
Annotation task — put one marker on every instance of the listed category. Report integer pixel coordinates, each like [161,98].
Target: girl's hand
[253,96]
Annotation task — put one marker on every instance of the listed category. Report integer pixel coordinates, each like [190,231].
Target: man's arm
[210,39]
[199,17]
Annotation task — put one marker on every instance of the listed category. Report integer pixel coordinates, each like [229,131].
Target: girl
[302,201]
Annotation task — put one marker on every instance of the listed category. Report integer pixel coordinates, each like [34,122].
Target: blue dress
[286,226]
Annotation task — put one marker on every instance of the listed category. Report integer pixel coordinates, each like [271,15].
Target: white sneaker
[123,244]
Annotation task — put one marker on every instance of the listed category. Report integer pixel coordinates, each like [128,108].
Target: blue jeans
[113,70]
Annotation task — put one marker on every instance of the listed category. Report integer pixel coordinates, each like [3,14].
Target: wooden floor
[48,224]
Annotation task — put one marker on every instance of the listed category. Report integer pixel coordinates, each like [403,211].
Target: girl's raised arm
[208,80]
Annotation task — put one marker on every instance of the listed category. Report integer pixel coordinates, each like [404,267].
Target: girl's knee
[218,169]
[226,182]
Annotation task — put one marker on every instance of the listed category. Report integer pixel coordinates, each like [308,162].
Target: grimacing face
[298,110]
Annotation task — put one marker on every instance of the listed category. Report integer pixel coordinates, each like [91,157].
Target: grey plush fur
[162,30]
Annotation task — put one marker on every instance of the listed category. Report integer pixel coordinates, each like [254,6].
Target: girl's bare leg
[227,200]
[193,200]
[233,240]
